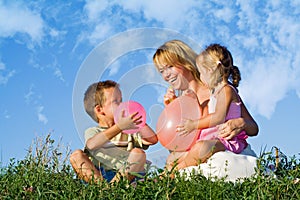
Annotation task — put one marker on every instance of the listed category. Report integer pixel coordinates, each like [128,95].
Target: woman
[176,62]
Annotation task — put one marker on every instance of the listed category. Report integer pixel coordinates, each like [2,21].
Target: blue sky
[50,51]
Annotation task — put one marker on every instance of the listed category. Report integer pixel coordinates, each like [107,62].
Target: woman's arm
[233,127]
[169,96]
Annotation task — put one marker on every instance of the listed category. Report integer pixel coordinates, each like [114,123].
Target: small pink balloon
[183,107]
[131,107]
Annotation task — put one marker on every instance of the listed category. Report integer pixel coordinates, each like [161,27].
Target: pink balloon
[131,107]
[183,107]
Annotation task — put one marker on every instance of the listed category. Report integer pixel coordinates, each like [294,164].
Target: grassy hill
[46,174]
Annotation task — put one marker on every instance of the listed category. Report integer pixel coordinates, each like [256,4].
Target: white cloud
[17,18]
[100,32]
[30,95]
[2,66]
[169,13]
[296,73]
[41,117]
[265,87]
[58,74]
[54,33]
[226,14]
[5,75]
[262,36]
[93,8]
[31,98]
[114,68]
[106,19]
[265,48]
[45,60]
[6,114]
[286,29]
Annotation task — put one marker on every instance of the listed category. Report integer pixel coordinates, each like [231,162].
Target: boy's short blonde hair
[94,96]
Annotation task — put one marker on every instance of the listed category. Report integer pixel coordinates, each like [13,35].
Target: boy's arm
[101,138]
[129,122]
[148,135]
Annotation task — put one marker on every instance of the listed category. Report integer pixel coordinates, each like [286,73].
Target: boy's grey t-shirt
[114,153]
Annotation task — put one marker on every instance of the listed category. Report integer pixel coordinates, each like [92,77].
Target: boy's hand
[186,127]
[169,96]
[129,122]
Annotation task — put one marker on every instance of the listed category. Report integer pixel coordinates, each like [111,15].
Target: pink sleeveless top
[238,143]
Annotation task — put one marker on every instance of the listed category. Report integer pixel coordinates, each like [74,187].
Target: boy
[108,150]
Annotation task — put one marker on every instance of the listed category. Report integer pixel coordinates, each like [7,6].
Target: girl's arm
[224,99]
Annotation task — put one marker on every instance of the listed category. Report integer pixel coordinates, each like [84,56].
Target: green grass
[46,174]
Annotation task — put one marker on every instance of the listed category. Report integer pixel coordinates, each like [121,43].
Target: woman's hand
[169,96]
[129,122]
[231,128]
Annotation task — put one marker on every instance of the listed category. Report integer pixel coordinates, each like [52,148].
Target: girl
[216,68]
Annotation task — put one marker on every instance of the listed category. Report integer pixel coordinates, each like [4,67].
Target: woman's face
[176,76]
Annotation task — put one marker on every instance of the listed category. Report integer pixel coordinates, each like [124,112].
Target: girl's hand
[229,129]
[169,96]
[186,127]
[129,122]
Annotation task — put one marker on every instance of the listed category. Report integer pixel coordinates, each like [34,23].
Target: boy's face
[113,99]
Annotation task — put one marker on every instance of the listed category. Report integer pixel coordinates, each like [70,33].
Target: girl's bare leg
[199,153]
[174,158]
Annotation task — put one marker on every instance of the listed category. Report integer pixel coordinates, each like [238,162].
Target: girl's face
[205,73]
[113,99]
[175,76]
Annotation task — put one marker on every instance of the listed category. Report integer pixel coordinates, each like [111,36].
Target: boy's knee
[138,154]
[138,151]
[77,153]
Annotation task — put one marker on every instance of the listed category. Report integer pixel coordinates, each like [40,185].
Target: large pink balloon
[183,107]
[131,107]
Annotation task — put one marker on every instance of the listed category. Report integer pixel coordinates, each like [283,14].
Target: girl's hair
[94,96]
[218,57]
[177,53]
